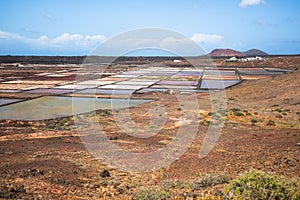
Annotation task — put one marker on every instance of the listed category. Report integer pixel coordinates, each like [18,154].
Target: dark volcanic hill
[226,53]
[255,52]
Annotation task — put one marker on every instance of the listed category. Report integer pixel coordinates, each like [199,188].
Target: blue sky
[75,27]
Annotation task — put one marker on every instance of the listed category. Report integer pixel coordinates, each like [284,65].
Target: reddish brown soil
[47,160]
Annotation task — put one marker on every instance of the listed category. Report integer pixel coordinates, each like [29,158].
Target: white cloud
[99,38]
[206,38]
[66,37]
[7,35]
[245,3]
[73,43]
[65,41]
[149,38]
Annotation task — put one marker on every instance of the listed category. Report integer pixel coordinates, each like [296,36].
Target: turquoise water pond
[50,107]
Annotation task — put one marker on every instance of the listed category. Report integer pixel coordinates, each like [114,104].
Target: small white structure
[177,61]
[249,59]
[232,59]
[255,58]
[259,58]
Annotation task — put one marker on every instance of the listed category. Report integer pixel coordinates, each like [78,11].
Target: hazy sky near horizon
[75,27]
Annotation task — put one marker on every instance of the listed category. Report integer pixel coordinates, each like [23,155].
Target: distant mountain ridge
[231,53]
[255,52]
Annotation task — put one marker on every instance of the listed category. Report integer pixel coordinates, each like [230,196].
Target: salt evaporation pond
[50,107]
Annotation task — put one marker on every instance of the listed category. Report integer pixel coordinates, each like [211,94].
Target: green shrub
[271,123]
[206,122]
[275,105]
[278,110]
[247,112]
[175,184]
[258,185]
[209,180]
[211,197]
[254,121]
[151,193]
[279,116]
[210,113]
[237,112]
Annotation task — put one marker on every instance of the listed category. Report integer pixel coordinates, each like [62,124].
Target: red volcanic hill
[226,53]
[231,53]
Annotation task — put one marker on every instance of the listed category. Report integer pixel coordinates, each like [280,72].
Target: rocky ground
[48,160]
